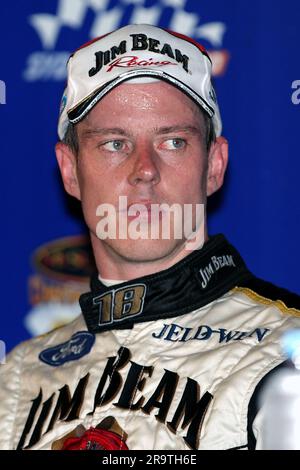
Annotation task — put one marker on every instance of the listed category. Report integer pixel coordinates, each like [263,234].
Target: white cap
[129,53]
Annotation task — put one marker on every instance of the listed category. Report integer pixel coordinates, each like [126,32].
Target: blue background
[258,208]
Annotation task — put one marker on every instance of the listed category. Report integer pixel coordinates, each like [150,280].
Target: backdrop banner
[254,46]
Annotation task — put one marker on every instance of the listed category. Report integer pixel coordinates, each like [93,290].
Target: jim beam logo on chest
[139,42]
[179,403]
[118,304]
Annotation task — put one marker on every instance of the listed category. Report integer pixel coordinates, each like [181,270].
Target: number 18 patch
[118,304]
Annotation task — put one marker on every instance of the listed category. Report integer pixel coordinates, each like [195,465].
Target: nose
[145,167]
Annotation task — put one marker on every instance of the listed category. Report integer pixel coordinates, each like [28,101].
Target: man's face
[145,142]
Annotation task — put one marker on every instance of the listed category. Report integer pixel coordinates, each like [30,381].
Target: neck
[113,265]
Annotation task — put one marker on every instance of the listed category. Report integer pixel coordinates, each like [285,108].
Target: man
[176,336]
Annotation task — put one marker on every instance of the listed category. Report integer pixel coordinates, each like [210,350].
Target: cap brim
[79,112]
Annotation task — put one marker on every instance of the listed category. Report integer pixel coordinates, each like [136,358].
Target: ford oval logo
[79,345]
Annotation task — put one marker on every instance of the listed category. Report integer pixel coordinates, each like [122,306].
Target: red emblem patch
[107,435]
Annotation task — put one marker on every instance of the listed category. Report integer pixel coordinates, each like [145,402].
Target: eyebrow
[184,128]
[86,133]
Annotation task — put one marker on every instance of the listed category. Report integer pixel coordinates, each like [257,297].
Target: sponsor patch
[179,403]
[177,333]
[78,346]
[107,435]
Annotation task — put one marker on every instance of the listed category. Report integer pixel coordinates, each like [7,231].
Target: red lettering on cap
[134,61]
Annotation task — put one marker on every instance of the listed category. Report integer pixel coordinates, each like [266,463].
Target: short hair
[210,134]
[71,136]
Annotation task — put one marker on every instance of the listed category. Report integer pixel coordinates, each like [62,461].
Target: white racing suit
[174,359]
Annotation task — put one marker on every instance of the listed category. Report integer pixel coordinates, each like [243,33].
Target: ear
[67,163]
[217,164]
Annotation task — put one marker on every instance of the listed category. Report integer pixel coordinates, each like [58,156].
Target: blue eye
[114,145]
[178,143]
[174,144]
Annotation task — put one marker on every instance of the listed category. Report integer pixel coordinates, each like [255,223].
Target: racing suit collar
[198,279]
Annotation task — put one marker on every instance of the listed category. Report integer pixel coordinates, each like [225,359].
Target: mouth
[145,210]
[140,209]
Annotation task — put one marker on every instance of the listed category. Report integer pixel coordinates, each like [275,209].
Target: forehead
[154,100]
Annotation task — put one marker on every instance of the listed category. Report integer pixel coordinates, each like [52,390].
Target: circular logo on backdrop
[62,269]
[65,259]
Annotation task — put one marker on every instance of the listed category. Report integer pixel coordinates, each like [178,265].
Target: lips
[144,210]
[141,209]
